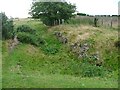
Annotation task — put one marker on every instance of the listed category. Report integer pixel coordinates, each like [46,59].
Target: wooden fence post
[95,21]
[102,22]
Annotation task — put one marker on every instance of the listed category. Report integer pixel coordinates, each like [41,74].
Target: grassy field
[53,65]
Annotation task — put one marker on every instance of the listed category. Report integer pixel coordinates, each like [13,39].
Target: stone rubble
[80,49]
[61,38]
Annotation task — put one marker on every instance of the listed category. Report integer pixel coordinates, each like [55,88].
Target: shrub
[26,38]
[7,26]
[29,35]
[25,28]
[30,39]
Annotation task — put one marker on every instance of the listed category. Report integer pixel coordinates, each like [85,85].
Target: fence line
[103,21]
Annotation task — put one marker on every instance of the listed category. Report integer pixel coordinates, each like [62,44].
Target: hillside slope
[98,40]
[56,64]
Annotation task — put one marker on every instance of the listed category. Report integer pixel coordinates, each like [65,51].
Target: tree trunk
[60,21]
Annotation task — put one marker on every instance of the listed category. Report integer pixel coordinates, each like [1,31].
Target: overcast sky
[20,8]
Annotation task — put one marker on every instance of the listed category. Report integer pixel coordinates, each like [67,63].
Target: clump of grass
[50,49]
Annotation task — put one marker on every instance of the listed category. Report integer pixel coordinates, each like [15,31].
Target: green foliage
[28,35]
[25,28]
[39,41]
[89,70]
[7,26]
[30,39]
[84,69]
[52,13]
[50,50]
[26,38]
[50,46]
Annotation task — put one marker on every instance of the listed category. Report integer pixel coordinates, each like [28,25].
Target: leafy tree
[52,13]
[7,26]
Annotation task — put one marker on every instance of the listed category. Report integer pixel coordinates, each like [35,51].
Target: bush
[7,26]
[25,28]
[30,39]
[29,35]
[26,38]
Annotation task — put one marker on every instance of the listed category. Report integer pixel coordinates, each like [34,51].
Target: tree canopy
[52,13]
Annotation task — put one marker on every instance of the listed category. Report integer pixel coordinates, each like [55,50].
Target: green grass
[52,65]
[43,71]
[56,81]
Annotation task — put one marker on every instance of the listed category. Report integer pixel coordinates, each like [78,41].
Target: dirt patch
[82,37]
[13,43]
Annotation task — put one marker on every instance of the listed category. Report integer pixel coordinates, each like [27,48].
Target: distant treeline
[83,14]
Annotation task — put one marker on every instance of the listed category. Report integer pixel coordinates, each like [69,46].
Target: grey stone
[64,40]
[74,46]
[61,38]
[58,34]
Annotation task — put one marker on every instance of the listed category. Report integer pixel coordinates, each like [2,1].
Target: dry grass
[82,32]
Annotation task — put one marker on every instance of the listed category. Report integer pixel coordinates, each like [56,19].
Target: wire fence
[107,21]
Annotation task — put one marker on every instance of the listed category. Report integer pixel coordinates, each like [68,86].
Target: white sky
[20,8]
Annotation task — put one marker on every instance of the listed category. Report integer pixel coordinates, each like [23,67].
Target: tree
[7,26]
[52,13]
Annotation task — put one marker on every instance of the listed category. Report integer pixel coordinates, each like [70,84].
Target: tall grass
[81,20]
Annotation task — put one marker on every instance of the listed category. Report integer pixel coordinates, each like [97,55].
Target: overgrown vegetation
[25,34]
[40,57]
[26,29]
[101,54]
[7,26]
[58,49]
